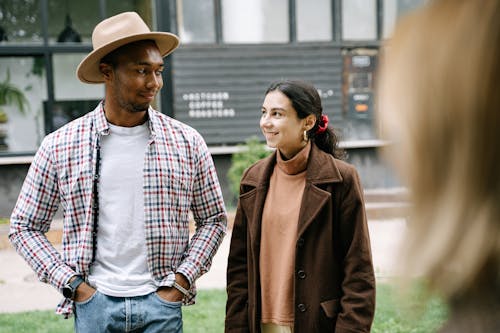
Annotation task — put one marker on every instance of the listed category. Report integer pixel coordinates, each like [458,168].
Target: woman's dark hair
[306,100]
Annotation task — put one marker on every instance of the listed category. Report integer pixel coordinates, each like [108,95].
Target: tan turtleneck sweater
[279,235]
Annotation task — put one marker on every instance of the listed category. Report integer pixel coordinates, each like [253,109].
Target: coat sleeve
[358,285]
[237,278]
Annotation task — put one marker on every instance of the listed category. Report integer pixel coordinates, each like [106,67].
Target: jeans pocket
[88,300]
[172,304]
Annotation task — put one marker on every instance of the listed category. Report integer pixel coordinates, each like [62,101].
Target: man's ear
[106,70]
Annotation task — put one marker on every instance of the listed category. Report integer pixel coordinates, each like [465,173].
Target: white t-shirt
[120,267]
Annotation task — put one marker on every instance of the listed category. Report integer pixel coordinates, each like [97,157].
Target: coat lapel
[312,202]
[253,205]
[252,201]
[321,169]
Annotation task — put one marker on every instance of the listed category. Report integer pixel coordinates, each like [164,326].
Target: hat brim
[88,70]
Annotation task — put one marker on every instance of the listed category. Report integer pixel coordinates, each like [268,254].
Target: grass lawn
[207,316]
[417,314]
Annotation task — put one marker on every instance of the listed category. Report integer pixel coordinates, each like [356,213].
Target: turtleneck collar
[296,164]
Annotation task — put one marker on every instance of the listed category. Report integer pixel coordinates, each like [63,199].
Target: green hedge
[253,151]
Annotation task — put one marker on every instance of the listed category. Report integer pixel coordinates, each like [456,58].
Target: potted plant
[9,95]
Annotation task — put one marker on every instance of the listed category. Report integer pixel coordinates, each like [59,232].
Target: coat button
[301,242]
[301,274]
[301,307]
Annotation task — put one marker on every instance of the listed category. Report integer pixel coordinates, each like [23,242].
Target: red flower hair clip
[322,124]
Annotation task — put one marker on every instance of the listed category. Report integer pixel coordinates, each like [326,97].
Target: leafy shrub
[253,151]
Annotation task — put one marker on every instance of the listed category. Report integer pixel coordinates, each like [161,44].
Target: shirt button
[301,307]
[300,242]
[301,274]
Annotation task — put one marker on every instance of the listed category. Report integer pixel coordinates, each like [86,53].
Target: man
[126,178]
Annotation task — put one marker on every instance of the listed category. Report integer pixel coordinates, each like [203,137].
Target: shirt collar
[101,123]
[102,126]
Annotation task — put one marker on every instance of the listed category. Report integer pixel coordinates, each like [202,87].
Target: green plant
[252,151]
[11,94]
[38,66]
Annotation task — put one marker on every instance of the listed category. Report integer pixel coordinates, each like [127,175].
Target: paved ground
[21,291]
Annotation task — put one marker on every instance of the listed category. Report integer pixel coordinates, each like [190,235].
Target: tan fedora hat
[117,31]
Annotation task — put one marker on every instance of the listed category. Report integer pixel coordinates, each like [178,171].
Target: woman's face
[281,126]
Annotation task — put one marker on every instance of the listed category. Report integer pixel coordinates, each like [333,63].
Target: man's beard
[135,108]
[138,107]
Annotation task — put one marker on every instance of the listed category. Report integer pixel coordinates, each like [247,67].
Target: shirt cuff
[189,270]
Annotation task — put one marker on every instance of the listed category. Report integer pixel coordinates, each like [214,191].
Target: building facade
[231,50]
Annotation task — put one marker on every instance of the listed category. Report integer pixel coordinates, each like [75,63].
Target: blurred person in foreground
[126,177]
[300,257]
[440,105]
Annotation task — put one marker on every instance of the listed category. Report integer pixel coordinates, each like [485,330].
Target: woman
[440,100]
[300,258]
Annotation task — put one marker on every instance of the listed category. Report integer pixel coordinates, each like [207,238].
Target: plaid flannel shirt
[179,177]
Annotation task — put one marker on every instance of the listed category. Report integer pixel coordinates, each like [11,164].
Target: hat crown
[115,32]
[117,27]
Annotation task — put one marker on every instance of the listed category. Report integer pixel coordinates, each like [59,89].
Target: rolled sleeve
[32,217]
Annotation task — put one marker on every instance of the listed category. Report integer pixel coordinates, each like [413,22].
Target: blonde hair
[440,105]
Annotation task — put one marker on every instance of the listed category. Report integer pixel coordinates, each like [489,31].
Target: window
[359,20]
[196,21]
[72,98]
[20,22]
[143,7]
[394,9]
[21,128]
[314,20]
[66,85]
[72,21]
[257,21]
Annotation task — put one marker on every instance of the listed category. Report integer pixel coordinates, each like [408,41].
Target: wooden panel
[219,90]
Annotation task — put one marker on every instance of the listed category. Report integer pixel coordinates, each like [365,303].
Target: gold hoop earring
[305,136]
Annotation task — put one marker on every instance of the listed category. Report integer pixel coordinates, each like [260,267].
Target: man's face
[137,76]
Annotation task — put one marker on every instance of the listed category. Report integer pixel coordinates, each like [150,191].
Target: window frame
[336,26]
[47,50]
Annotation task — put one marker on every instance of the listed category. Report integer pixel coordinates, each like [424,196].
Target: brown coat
[334,281]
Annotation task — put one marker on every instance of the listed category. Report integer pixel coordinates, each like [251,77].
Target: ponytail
[306,100]
[328,141]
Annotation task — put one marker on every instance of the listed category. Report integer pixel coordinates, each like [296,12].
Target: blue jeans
[146,314]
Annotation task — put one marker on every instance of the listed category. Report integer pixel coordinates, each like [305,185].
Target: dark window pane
[72,21]
[142,7]
[65,111]
[20,21]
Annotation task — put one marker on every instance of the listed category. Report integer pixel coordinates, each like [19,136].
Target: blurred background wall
[231,51]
